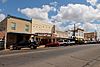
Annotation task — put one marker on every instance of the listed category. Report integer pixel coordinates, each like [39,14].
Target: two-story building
[79,33]
[61,35]
[43,31]
[90,36]
[15,29]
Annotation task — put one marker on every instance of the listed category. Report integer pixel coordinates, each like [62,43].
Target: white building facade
[79,33]
[42,31]
[61,34]
[98,31]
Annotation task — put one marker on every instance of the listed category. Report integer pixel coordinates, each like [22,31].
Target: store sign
[43,34]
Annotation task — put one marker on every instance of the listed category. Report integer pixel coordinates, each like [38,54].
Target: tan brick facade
[90,36]
[15,29]
[20,25]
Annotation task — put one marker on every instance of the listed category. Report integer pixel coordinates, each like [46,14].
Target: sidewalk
[8,51]
[42,46]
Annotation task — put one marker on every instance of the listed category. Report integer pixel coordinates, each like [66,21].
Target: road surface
[69,56]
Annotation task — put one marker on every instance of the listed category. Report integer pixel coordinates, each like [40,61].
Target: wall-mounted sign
[43,34]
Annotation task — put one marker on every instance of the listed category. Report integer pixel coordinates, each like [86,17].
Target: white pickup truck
[66,42]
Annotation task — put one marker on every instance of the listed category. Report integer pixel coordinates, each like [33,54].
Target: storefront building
[90,36]
[79,33]
[61,35]
[42,31]
[16,29]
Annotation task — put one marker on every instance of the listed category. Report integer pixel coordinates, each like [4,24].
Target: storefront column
[5,41]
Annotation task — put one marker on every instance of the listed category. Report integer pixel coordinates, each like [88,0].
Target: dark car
[1,45]
[53,44]
[23,44]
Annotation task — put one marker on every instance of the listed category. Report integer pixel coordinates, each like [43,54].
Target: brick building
[90,36]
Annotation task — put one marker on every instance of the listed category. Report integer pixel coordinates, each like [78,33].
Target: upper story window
[13,26]
[27,28]
[33,26]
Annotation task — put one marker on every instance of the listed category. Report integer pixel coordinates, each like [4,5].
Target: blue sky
[64,13]
[11,6]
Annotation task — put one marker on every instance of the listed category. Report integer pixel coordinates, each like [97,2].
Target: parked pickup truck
[23,44]
[66,42]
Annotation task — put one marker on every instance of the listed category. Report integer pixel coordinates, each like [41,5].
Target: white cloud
[2,16]
[89,27]
[3,1]
[77,13]
[92,2]
[57,18]
[80,14]
[98,6]
[54,4]
[37,13]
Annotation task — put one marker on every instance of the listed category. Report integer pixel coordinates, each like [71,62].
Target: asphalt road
[70,56]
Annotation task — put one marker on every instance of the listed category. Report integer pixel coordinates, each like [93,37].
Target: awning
[19,33]
[43,34]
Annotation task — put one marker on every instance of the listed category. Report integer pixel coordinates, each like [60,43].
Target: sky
[64,14]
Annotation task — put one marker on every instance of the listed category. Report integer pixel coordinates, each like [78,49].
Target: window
[13,26]
[26,28]
[33,26]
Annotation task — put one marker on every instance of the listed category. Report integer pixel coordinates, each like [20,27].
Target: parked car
[1,45]
[90,42]
[23,44]
[53,44]
[71,42]
[66,42]
[63,42]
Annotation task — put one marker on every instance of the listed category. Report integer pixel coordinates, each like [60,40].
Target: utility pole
[74,34]
[74,31]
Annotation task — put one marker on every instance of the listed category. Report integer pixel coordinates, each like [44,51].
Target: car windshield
[65,40]
[34,42]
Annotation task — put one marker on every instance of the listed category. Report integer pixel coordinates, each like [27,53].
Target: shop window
[13,26]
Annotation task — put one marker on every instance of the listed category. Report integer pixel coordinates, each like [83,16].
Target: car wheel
[32,47]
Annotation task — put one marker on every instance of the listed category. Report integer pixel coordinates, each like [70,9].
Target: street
[69,56]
